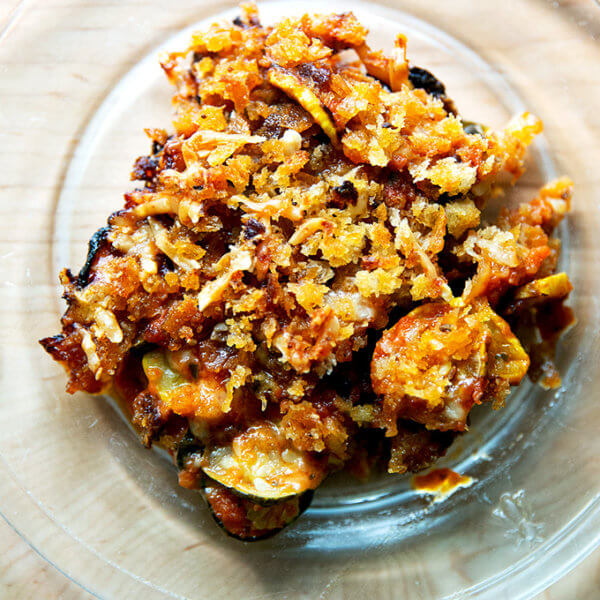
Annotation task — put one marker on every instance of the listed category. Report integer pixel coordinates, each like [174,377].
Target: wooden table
[23,573]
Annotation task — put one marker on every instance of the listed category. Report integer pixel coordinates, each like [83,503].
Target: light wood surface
[24,573]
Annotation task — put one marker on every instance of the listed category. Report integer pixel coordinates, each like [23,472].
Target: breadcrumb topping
[314,192]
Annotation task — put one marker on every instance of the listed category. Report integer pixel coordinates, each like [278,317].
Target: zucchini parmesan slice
[246,520]
[262,465]
[170,377]
[438,361]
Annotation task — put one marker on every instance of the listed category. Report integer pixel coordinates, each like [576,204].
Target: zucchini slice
[552,287]
[245,520]
[506,358]
[438,361]
[262,465]
[170,378]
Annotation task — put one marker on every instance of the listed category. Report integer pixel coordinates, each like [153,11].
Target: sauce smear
[441,483]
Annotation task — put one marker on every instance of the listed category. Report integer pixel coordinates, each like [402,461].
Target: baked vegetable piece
[304,280]
[250,521]
[435,363]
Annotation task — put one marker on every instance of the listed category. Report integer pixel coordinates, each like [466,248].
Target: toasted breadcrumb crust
[314,192]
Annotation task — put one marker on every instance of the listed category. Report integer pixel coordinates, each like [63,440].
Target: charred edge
[146,168]
[473,128]
[252,228]
[318,75]
[94,245]
[51,344]
[423,79]
[147,417]
[346,192]
[188,446]
[252,22]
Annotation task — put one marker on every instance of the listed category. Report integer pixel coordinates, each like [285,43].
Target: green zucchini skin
[186,448]
[423,79]
[96,243]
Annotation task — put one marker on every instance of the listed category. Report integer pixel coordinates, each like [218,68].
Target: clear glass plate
[80,81]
